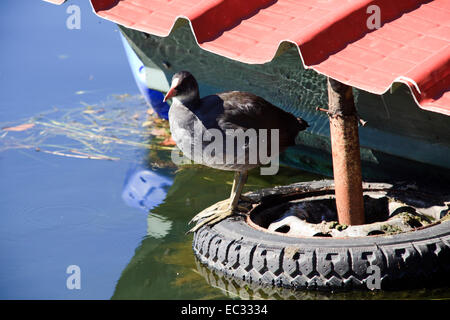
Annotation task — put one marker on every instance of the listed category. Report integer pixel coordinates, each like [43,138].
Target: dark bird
[225,131]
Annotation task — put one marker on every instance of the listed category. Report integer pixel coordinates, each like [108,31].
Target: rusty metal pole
[346,154]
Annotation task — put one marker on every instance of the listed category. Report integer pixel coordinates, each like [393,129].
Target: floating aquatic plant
[112,130]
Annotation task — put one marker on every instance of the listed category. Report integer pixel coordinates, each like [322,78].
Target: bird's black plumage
[225,111]
[246,110]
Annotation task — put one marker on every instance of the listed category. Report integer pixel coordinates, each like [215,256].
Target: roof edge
[416,86]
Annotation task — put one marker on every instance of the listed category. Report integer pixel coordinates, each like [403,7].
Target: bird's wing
[243,110]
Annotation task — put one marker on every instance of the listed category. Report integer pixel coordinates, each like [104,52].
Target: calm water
[122,221]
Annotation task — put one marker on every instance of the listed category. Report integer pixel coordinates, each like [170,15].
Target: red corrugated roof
[412,45]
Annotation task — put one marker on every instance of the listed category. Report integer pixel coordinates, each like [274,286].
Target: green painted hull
[400,141]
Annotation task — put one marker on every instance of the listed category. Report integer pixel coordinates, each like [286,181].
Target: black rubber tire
[406,260]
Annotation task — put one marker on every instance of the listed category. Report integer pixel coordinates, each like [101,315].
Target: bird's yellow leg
[224,208]
[221,205]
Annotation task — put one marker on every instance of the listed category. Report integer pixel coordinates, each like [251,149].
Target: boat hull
[400,141]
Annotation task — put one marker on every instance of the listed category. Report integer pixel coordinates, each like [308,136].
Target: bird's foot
[215,213]
[213,217]
[218,206]
[221,205]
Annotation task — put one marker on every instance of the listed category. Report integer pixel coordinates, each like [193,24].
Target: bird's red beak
[170,93]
